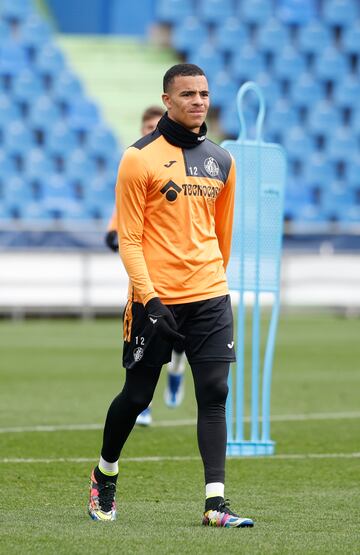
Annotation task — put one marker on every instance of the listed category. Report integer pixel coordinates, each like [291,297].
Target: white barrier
[88,282]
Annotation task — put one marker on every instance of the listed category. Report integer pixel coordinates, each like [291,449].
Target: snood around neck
[178,135]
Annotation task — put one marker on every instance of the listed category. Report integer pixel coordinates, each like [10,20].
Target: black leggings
[210,379]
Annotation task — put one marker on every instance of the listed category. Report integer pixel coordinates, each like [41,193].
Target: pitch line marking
[289,456]
[176,423]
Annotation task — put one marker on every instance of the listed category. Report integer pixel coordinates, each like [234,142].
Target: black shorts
[207,327]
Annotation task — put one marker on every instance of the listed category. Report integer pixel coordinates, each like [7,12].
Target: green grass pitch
[63,374]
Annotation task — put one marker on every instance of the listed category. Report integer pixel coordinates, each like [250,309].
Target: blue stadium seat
[256,12]
[214,11]
[17,10]
[247,64]
[231,35]
[324,118]
[351,39]
[38,165]
[341,146]
[331,65]
[99,197]
[347,92]
[57,193]
[5,31]
[34,211]
[271,89]
[319,171]
[311,214]
[355,121]
[295,12]
[272,37]
[65,88]
[44,114]
[27,86]
[298,144]
[349,215]
[223,89]
[9,111]
[72,213]
[7,166]
[314,38]
[208,58]
[5,213]
[61,141]
[353,173]
[172,11]
[79,166]
[50,61]
[340,13]
[280,118]
[229,120]
[188,35]
[18,138]
[17,192]
[289,64]
[34,33]
[83,114]
[102,142]
[306,91]
[12,59]
[298,198]
[336,199]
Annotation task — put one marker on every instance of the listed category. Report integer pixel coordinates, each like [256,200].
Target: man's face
[149,125]
[187,101]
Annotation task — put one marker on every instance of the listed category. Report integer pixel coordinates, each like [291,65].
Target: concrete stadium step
[123,75]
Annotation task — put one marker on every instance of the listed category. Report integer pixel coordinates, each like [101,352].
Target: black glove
[163,320]
[111,240]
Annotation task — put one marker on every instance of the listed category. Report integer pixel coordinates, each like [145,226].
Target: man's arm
[131,193]
[224,214]
[111,236]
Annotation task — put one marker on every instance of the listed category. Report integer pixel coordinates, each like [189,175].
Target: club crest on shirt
[138,354]
[211,166]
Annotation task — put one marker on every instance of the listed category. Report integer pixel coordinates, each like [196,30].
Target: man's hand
[111,240]
[163,320]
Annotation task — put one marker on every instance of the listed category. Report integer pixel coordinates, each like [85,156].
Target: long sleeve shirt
[174,215]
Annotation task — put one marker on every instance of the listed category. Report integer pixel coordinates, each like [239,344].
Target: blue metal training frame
[254,270]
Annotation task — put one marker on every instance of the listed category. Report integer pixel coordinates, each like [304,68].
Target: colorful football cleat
[223,517]
[102,504]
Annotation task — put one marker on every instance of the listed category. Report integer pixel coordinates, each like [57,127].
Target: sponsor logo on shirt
[170,190]
[208,191]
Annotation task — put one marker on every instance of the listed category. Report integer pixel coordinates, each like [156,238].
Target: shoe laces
[224,507]
[106,495]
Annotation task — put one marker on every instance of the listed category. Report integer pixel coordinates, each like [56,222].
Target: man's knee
[137,400]
[212,392]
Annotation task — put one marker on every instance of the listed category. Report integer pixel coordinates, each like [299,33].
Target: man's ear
[166,100]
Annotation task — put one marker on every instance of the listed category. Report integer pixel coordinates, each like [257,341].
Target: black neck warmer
[178,135]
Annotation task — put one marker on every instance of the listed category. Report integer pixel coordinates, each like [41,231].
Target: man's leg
[174,390]
[210,379]
[136,395]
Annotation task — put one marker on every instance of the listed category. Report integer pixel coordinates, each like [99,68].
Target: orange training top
[175,213]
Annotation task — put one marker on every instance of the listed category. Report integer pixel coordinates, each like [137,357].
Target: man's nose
[198,99]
